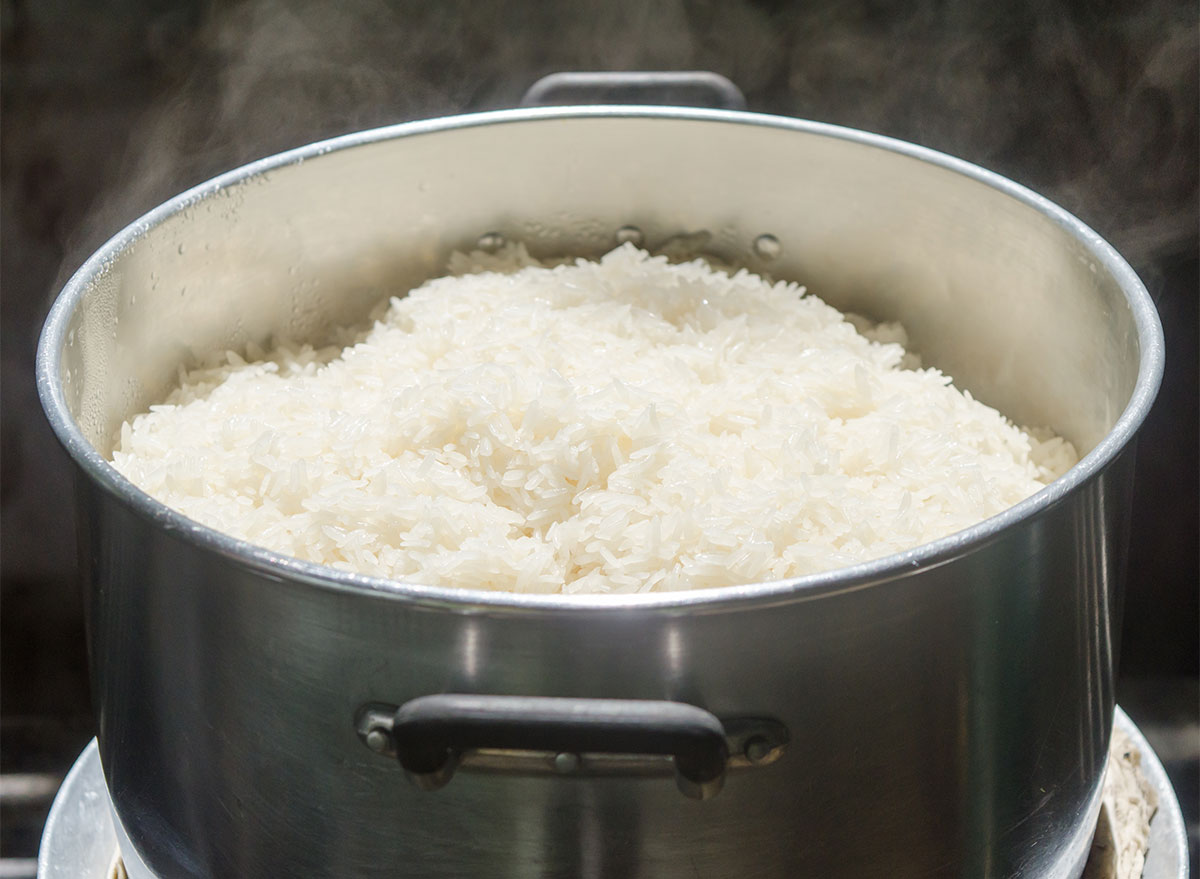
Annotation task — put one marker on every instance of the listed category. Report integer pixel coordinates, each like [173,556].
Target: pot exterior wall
[949,709]
[949,722]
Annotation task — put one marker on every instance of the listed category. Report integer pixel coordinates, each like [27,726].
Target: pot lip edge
[862,575]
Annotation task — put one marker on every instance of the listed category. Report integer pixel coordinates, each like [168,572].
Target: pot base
[82,838]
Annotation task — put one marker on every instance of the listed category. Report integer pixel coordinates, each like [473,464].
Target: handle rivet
[757,749]
[566,763]
[378,740]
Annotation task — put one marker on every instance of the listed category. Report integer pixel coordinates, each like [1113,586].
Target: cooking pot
[941,712]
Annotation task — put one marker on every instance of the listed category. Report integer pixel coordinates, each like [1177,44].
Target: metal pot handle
[433,736]
[689,88]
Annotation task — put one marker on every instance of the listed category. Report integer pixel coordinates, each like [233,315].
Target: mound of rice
[616,426]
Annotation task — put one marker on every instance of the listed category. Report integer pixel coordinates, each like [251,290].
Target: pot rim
[287,569]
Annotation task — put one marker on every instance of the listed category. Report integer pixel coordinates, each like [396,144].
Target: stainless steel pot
[943,712]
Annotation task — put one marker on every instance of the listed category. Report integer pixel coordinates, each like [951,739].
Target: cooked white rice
[616,426]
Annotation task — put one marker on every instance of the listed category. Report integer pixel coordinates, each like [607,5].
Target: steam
[1096,109]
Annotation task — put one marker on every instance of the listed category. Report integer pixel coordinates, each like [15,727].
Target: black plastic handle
[431,733]
[689,88]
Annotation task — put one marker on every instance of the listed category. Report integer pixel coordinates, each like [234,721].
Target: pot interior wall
[992,290]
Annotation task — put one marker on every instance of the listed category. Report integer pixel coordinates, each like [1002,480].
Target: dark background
[111,108]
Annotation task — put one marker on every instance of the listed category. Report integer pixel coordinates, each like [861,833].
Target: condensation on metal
[630,235]
[491,242]
[767,247]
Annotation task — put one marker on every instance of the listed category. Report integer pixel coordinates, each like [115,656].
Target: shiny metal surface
[949,707]
[78,840]
[689,88]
